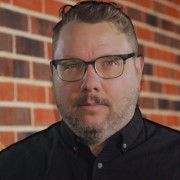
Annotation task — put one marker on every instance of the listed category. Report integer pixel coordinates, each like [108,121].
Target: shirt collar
[128,137]
[74,143]
[130,134]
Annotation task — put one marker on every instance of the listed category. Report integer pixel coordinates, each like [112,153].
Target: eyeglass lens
[106,67]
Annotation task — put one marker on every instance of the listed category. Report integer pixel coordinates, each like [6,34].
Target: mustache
[84,100]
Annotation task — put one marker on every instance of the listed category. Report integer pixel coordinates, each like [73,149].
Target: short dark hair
[95,12]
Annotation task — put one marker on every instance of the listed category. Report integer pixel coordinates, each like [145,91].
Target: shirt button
[124,145]
[75,149]
[78,140]
[100,165]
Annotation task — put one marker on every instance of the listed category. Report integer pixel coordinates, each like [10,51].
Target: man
[96,80]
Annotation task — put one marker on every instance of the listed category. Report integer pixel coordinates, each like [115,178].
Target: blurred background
[26,98]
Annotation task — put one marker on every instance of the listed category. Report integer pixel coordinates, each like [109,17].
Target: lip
[92,106]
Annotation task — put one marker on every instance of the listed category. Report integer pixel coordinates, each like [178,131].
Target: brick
[14,68]
[23,135]
[155,87]
[135,14]
[174,43]
[45,117]
[161,55]
[159,7]
[7,138]
[177,29]
[148,69]
[176,105]
[30,93]
[29,47]
[178,59]
[162,39]
[164,72]
[163,104]
[144,85]
[13,20]
[151,20]
[171,11]
[35,5]
[172,120]
[21,69]
[172,105]
[6,67]
[167,25]
[1,146]
[51,96]
[6,42]
[148,103]
[6,91]
[141,49]
[178,89]
[147,3]
[158,118]
[14,116]
[152,52]
[52,7]
[170,89]
[144,34]
[41,71]
[50,54]
[6,1]
[42,26]
[168,56]
[177,75]
[176,2]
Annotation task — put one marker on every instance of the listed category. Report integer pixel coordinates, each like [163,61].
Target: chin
[91,122]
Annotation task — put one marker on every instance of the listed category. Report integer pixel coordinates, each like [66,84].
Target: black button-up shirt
[143,150]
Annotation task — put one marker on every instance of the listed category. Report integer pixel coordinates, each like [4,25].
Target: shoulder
[161,128]
[162,134]
[31,157]
[38,142]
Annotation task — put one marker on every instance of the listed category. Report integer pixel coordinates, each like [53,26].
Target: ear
[51,67]
[139,63]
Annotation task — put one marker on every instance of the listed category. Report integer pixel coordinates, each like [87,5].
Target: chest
[135,165]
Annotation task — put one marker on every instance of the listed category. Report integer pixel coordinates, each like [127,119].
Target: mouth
[92,106]
[92,103]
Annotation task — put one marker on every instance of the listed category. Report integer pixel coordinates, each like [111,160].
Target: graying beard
[92,135]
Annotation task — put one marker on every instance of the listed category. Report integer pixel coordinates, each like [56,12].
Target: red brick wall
[26,100]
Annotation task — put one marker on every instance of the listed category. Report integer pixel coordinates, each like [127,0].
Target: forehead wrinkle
[74,41]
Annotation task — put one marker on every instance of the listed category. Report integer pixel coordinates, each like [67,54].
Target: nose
[90,81]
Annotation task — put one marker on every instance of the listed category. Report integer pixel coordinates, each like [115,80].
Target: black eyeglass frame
[124,57]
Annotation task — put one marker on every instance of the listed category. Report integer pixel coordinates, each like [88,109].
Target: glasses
[107,67]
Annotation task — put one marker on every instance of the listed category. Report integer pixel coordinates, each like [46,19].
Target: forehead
[91,39]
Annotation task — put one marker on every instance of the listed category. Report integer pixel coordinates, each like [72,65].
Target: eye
[112,61]
[70,65]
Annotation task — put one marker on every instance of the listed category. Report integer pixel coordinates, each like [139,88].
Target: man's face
[96,108]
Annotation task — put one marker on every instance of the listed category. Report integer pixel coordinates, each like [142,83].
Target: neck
[96,149]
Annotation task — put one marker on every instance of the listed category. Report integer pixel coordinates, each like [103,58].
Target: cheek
[64,92]
[122,87]
[130,75]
